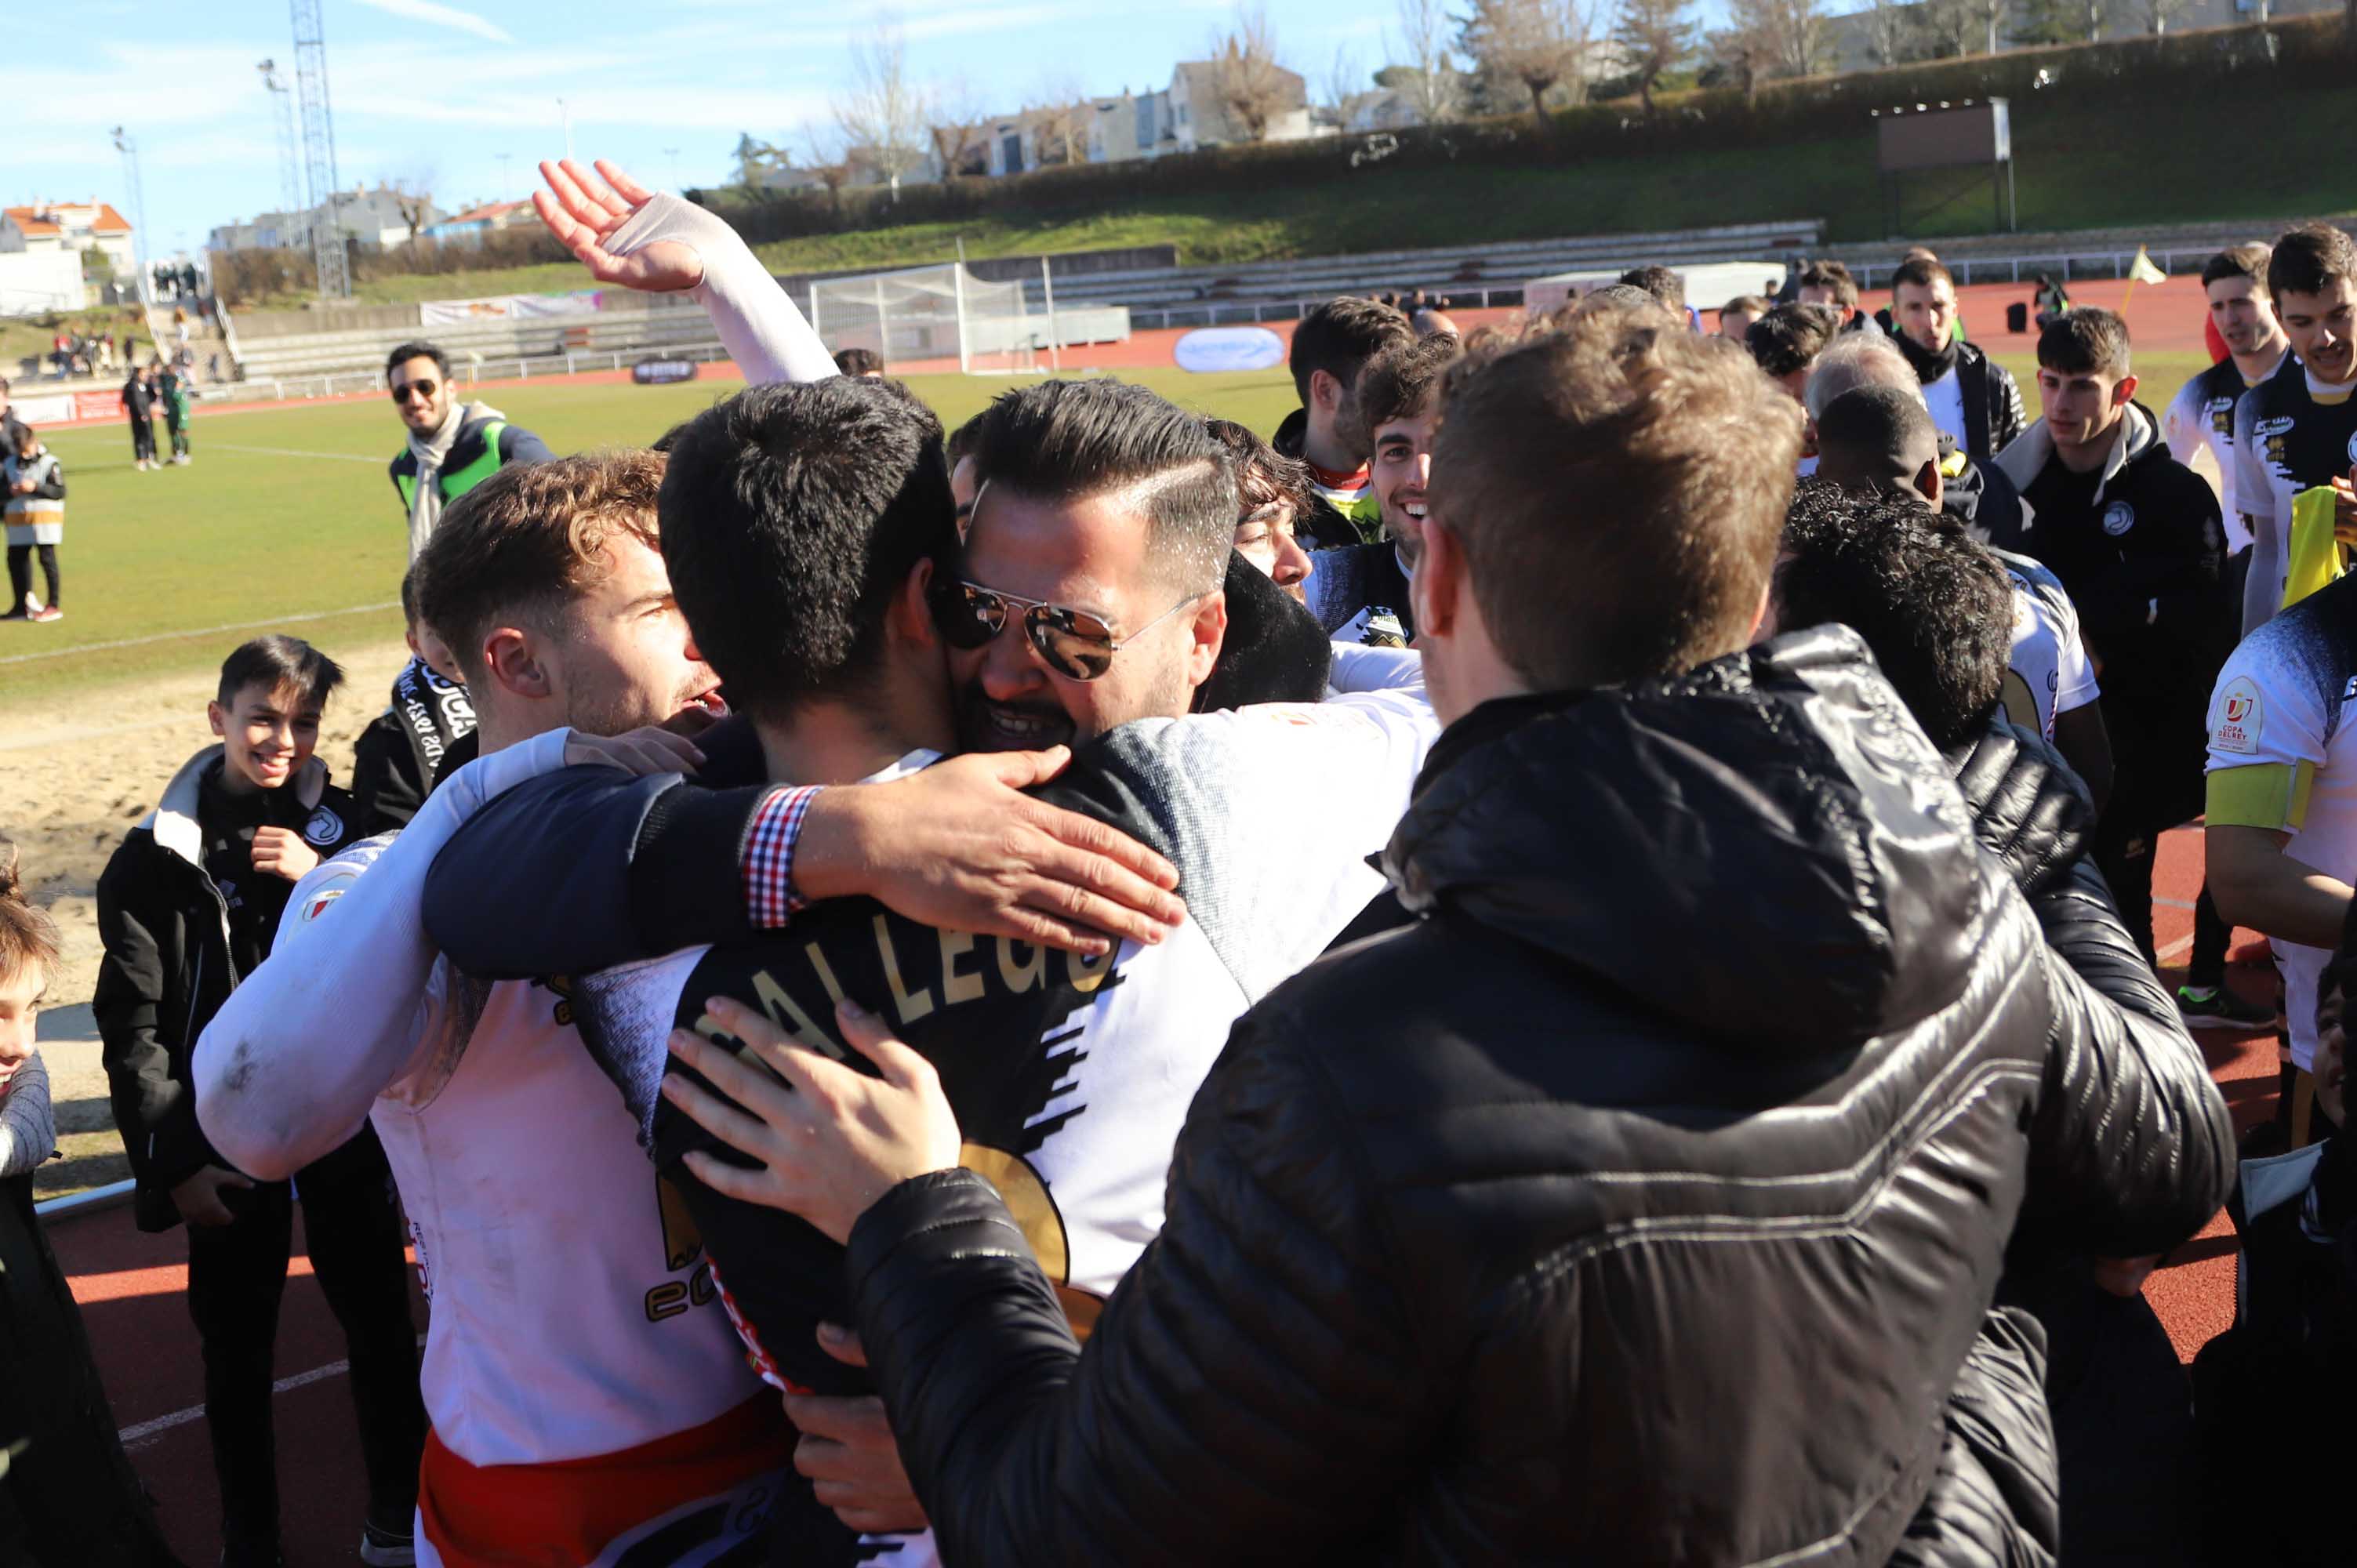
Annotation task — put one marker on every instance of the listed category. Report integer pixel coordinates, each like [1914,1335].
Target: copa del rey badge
[2241,718]
[2118,518]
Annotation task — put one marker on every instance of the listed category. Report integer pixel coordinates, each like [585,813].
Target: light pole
[129,148]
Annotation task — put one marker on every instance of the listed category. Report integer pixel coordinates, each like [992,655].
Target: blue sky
[435,92]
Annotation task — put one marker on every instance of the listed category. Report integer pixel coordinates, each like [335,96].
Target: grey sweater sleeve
[28,1130]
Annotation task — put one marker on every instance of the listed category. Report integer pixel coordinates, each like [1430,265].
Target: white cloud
[440,16]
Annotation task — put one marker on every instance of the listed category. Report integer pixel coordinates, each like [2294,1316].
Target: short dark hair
[1070,440]
[2238,262]
[857,361]
[1833,276]
[963,441]
[1262,474]
[279,663]
[1790,336]
[1618,487]
[2084,341]
[409,352]
[1341,335]
[23,441]
[1922,271]
[1878,431]
[1660,281]
[1749,304]
[530,540]
[792,514]
[409,596]
[2308,258]
[1398,381]
[1935,607]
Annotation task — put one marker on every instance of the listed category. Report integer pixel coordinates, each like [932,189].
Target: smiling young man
[1971,396]
[1330,346]
[1360,596]
[2297,431]
[188,908]
[2135,536]
[453,446]
[2202,413]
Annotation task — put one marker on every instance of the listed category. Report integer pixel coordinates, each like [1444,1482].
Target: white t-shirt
[2284,699]
[2048,672]
[1945,398]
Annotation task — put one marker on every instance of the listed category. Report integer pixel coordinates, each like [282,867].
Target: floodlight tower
[290,161]
[129,148]
[319,151]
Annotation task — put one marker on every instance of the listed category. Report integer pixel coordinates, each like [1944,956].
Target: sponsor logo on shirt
[2242,718]
[2118,518]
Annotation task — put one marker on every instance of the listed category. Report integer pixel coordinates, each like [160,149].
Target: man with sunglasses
[453,446]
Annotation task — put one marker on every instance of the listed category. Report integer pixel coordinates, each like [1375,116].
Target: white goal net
[929,318]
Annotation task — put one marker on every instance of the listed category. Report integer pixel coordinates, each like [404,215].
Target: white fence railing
[272,389]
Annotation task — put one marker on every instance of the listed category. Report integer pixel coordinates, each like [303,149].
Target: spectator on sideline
[1879,438]
[1273,492]
[2134,537]
[33,499]
[68,1494]
[1736,317]
[2202,413]
[1329,346]
[856,362]
[1830,283]
[139,404]
[2306,409]
[188,907]
[172,392]
[2048,302]
[396,759]
[1471,1293]
[1971,396]
[1978,495]
[453,446]
[10,423]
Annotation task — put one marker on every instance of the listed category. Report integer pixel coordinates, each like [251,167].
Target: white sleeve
[2074,672]
[2255,498]
[1360,668]
[2185,423]
[757,320]
[2263,711]
[288,1069]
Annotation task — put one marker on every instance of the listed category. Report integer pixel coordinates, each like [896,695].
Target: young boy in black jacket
[396,759]
[188,905]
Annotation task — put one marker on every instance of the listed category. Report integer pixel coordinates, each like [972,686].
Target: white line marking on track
[146,1432]
[292,452]
[199,632]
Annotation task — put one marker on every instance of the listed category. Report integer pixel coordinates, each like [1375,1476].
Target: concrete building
[1857,39]
[72,227]
[371,215]
[1179,118]
[469,227]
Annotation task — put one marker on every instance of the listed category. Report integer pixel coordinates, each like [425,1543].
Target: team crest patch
[2242,718]
[2118,518]
[2353,448]
[323,828]
[327,892]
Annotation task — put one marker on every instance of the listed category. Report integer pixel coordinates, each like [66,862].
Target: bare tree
[1886,32]
[1539,44]
[1745,50]
[1345,89]
[755,159]
[884,114]
[413,196]
[1245,76]
[959,131]
[1797,30]
[2090,16]
[2158,14]
[1423,47]
[1989,15]
[1945,29]
[827,161]
[1060,120]
[1655,37]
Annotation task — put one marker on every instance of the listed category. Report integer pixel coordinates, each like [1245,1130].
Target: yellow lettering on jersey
[1020,977]
[2271,795]
[784,1012]
[1086,974]
[956,987]
[909,1007]
[825,972]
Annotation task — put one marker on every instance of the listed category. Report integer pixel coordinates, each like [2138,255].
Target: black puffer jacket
[1643,1203]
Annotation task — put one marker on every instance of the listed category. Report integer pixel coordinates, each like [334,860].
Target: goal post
[935,319]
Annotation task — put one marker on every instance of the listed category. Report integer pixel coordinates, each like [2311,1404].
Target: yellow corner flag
[2141,270]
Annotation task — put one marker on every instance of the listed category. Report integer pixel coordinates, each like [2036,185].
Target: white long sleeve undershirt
[758,321]
[288,1069]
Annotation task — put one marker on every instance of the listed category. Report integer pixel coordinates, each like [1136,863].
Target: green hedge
[2143,73]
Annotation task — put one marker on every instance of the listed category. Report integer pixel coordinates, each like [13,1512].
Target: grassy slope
[2075,169]
[242,536]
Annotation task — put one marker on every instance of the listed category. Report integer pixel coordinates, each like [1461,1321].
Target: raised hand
[583,211]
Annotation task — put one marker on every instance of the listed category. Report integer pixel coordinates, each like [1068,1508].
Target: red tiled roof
[110,221]
[31,221]
[490,213]
[43,220]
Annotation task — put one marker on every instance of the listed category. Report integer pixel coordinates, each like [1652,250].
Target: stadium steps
[322,354]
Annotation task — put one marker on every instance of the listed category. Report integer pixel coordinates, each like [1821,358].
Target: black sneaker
[2217,1007]
[387,1548]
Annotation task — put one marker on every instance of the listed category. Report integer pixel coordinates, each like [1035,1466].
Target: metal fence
[276,389]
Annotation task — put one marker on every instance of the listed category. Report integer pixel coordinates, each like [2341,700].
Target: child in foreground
[188,907]
[33,497]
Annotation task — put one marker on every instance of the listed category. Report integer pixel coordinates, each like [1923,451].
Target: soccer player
[453,446]
[1328,347]
[2297,431]
[1360,594]
[1978,495]
[188,906]
[2135,536]
[2202,413]
[1972,397]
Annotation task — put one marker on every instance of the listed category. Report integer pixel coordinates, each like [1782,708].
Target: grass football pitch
[286,521]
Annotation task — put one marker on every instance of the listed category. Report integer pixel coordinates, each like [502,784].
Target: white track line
[146,1432]
[292,452]
[199,632]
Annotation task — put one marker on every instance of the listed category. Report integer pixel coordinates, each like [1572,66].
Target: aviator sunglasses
[423,389]
[1074,643]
